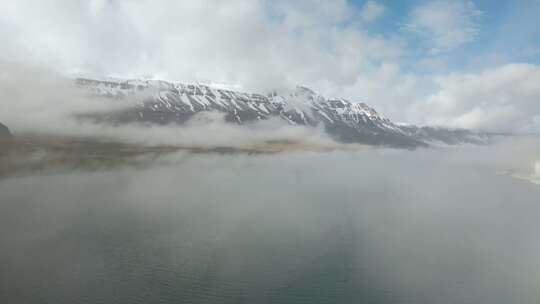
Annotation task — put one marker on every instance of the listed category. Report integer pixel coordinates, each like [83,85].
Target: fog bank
[37,100]
[380,226]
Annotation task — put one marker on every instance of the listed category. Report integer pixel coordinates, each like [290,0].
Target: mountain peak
[176,102]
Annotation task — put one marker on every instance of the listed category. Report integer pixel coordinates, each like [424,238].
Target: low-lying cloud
[41,101]
[383,226]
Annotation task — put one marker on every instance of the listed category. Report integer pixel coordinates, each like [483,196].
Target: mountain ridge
[165,102]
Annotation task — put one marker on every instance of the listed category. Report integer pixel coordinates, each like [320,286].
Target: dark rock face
[5,135]
[447,136]
[346,121]
[5,140]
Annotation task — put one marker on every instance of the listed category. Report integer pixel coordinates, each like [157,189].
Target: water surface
[378,226]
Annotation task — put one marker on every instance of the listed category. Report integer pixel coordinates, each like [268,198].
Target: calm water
[355,227]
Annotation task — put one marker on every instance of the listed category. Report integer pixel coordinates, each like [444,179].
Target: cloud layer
[377,226]
[258,45]
[371,11]
[444,24]
[48,104]
[500,99]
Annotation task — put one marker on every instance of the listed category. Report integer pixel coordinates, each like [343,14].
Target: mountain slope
[4,133]
[167,102]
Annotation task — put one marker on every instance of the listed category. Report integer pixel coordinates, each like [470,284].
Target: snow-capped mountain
[167,102]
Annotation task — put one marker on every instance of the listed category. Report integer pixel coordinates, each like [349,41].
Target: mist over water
[374,226]
[122,179]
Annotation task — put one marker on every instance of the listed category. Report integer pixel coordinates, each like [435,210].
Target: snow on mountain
[164,102]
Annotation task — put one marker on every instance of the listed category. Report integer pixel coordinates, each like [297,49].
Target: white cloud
[371,11]
[258,44]
[309,13]
[505,98]
[387,88]
[47,103]
[444,24]
[269,44]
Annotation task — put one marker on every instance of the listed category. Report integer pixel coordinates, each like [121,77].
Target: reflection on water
[350,227]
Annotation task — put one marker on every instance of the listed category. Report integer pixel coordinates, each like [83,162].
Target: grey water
[375,226]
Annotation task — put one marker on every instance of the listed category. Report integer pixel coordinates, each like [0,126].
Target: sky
[458,63]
